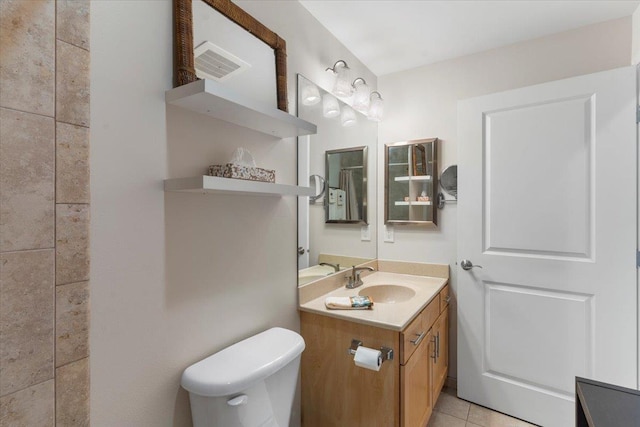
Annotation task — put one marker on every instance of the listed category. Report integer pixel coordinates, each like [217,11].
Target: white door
[547,207]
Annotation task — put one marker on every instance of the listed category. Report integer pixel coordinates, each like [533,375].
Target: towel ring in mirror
[316,182]
[449,183]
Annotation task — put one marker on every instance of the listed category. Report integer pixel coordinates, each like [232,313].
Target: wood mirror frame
[185,68]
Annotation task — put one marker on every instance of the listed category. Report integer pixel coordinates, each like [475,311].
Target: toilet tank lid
[243,364]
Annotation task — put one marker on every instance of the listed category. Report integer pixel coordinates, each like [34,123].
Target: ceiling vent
[213,62]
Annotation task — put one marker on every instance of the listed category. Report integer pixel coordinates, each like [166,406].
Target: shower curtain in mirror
[347,185]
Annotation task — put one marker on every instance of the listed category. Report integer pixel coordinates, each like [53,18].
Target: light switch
[388,233]
[365,233]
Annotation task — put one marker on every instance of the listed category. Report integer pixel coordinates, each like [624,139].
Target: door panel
[520,318]
[547,206]
[522,215]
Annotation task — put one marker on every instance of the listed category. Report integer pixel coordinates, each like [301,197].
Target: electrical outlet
[365,233]
[388,233]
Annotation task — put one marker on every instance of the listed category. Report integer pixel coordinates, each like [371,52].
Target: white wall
[422,103]
[635,60]
[176,277]
[635,44]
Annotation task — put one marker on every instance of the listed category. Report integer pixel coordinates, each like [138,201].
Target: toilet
[249,384]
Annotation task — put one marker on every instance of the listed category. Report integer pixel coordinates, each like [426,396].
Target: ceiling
[390,36]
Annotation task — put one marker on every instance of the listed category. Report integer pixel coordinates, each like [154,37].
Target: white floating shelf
[216,100]
[400,203]
[214,184]
[413,178]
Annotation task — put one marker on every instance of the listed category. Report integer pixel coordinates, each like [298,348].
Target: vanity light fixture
[342,86]
[376,107]
[310,94]
[330,106]
[369,103]
[361,95]
[348,116]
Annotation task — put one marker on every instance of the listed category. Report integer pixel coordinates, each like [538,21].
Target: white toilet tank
[249,384]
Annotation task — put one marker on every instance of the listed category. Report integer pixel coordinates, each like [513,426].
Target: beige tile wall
[44,212]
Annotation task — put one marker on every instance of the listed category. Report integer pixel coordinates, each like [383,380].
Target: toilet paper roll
[368,358]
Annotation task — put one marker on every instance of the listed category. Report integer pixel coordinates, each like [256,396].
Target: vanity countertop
[395,316]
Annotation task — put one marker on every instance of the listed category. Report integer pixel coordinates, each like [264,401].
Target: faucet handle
[351,281]
[358,280]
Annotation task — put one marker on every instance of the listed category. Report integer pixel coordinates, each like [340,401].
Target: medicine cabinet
[411,182]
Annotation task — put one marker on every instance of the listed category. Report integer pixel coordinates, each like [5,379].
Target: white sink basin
[388,294]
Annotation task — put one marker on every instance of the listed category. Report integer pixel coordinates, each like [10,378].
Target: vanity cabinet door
[416,332]
[415,387]
[439,353]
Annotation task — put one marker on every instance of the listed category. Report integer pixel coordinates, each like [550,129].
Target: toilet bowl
[249,384]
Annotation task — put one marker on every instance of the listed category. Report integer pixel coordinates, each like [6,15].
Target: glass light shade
[348,116]
[342,86]
[310,94]
[361,97]
[330,106]
[376,110]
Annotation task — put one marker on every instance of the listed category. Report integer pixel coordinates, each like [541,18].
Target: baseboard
[451,383]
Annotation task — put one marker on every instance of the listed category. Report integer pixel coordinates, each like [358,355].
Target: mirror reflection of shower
[346,172]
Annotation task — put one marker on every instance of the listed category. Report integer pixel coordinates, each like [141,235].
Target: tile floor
[453,412]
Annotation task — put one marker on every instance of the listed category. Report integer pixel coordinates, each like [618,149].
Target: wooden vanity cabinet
[336,393]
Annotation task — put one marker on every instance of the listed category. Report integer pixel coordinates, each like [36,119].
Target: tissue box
[231,170]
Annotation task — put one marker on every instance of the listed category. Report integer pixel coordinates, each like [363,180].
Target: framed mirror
[185,71]
[346,186]
[411,182]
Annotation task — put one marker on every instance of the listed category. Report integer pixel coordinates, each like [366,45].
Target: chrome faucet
[336,267]
[354,279]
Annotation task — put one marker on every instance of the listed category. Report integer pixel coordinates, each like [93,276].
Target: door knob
[468,265]
[301,250]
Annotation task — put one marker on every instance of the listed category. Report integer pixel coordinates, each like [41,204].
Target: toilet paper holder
[387,353]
